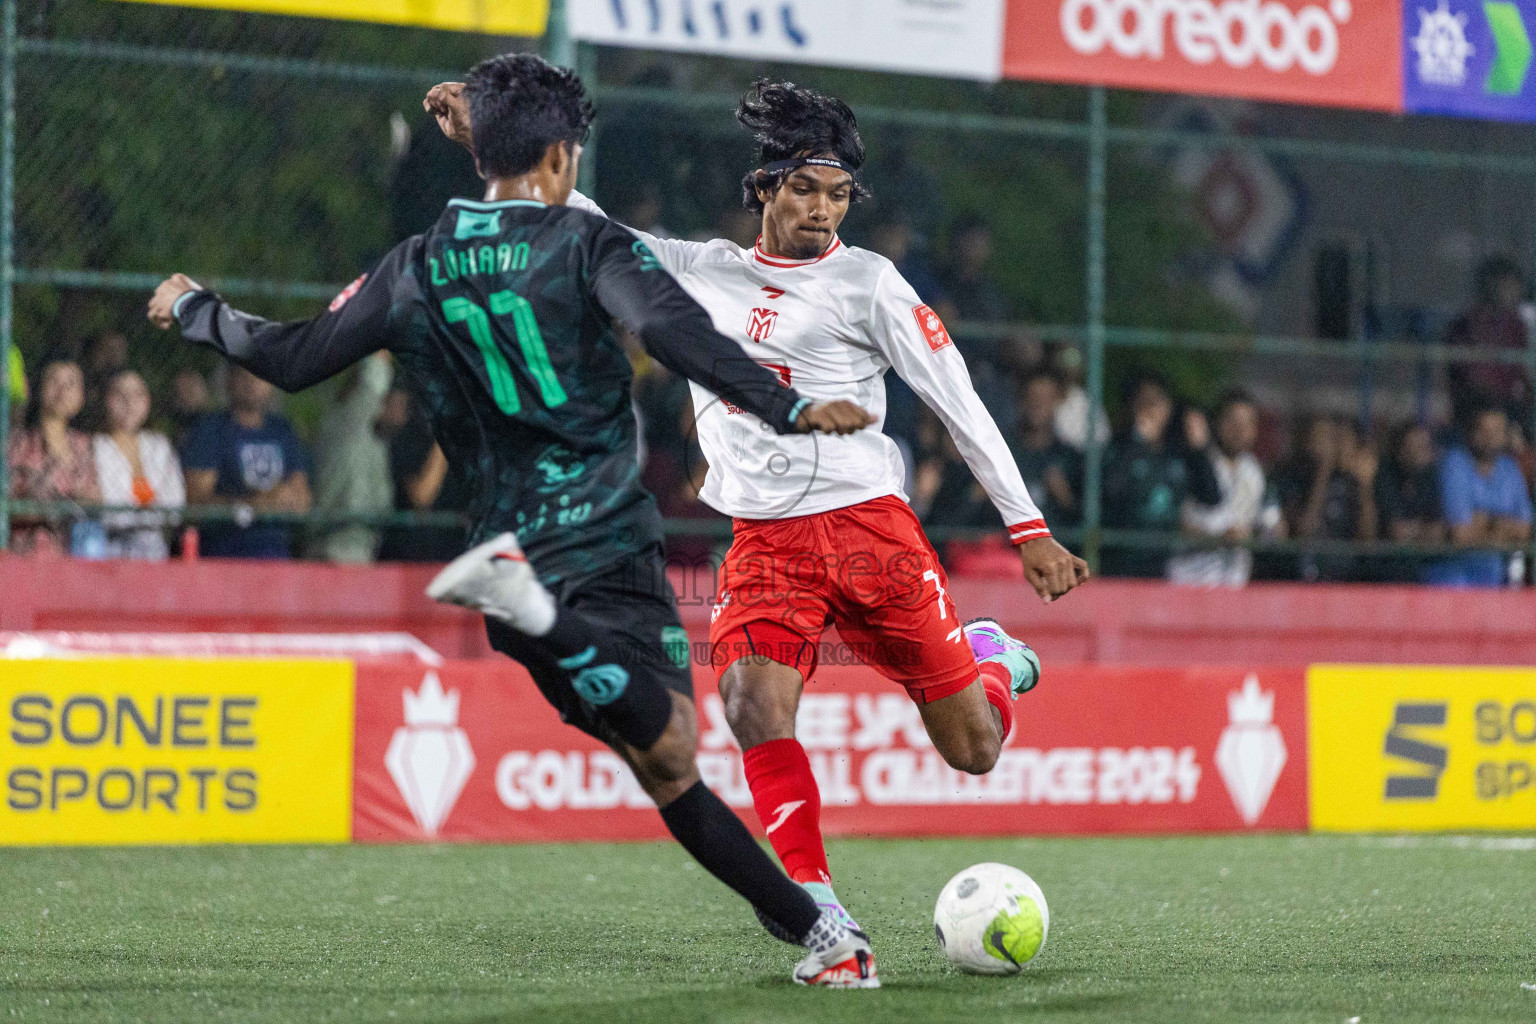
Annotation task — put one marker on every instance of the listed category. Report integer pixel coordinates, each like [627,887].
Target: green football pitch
[1275,928]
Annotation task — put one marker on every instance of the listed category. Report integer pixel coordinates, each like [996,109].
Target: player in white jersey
[822,530]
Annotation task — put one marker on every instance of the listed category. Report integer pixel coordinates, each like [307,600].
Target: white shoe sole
[453,575]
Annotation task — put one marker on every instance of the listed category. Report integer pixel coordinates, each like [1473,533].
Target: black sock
[633,703]
[718,840]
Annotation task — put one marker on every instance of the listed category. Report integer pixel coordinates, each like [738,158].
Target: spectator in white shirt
[136,467]
[1247,508]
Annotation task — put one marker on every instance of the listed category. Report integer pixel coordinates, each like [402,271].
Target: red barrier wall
[1108,621]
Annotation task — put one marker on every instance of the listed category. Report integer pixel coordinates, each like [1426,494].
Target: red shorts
[869,570]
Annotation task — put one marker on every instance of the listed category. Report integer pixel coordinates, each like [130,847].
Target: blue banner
[1469,58]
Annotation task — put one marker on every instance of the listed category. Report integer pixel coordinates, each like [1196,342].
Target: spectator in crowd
[1052,470]
[50,461]
[190,402]
[1328,492]
[970,292]
[1408,498]
[944,491]
[247,457]
[1148,476]
[1486,501]
[105,356]
[1493,320]
[894,238]
[419,472]
[18,387]
[1247,508]
[136,467]
[1072,414]
[352,473]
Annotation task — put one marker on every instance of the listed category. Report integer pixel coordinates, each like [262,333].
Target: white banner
[953,38]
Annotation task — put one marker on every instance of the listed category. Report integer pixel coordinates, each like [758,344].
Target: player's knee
[760,702]
[673,757]
[974,753]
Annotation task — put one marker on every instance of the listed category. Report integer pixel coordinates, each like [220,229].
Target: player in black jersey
[502,318]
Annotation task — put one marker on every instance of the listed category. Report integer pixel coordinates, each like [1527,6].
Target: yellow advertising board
[1421,749]
[496,17]
[155,750]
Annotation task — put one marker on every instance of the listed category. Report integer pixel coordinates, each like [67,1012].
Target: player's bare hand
[164,299]
[1051,569]
[833,418]
[446,102]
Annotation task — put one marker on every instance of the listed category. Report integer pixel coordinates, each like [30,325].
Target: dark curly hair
[789,122]
[519,105]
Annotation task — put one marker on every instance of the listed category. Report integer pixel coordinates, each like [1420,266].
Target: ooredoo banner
[470,751]
[173,750]
[1321,52]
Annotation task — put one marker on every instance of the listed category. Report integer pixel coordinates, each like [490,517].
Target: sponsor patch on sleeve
[347,293]
[932,327]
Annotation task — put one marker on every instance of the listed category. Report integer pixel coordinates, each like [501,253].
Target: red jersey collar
[786,264]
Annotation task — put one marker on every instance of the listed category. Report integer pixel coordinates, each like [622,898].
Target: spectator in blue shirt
[1486,502]
[250,458]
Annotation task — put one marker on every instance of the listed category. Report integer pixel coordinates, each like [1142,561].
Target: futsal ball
[991,919]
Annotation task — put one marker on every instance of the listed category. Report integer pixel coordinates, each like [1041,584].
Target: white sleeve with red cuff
[922,353]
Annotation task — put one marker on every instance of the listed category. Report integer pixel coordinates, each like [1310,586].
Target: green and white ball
[991,919]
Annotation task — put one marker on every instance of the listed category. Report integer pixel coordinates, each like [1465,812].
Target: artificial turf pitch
[1274,928]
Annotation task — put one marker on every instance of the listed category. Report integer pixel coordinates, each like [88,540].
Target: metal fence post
[1093,469]
[7,254]
[558,48]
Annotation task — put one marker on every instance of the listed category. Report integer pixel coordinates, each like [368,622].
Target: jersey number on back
[529,338]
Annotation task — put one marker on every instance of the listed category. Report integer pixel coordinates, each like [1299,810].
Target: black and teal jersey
[503,320]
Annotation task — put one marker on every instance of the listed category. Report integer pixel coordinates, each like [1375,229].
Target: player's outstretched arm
[920,349]
[292,355]
[631,286]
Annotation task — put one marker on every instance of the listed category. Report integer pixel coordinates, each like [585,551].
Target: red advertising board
[470,751]
[1322,52]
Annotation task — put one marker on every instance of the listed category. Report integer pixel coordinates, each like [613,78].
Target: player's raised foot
[839,957]
[990,643]
[495,579]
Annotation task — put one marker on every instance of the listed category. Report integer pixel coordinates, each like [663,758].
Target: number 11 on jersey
[529,338]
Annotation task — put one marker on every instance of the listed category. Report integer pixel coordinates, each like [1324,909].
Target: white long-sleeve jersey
[831,327]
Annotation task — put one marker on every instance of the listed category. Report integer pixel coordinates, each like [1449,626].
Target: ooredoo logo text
[1238,33]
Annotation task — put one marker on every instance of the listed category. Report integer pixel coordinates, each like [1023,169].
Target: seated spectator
[1052,470]
[352,464]
[189,403]
[422,483]
[1492,321]
[49,461]
[943,488]
[18,388]
[102,359]
[1486,500]
[1408,499]
[135,467]
[250,458]
[1247,508]
[1148,476]
[1072,415]
[1327,490]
